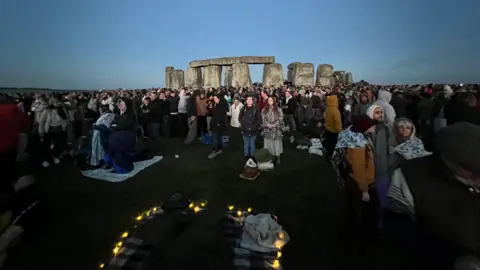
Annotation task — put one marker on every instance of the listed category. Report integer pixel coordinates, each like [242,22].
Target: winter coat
[333,119]
[250,120]
[383,101]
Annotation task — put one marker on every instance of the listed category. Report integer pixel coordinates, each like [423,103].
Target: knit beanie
[460,143]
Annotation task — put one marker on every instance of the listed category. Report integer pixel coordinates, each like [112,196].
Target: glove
[365,197]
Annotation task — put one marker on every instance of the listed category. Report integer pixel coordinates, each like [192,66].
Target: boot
[277,160]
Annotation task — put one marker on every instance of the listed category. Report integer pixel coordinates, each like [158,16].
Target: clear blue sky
[86,44]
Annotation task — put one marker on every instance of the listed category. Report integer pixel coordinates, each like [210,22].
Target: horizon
[110,44]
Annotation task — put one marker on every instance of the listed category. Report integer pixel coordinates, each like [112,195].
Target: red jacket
[261,104]
[12,121]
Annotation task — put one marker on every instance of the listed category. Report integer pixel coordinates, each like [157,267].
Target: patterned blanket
[244,259]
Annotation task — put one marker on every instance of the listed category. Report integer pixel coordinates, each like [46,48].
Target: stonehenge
[168,76]
[212,76]
[194,78]
[177,79]
[227,76]
[174,78]
[348,78]
[228,61]
[241,75]
[303,74]
[339,76]
[236,73]
[273,74]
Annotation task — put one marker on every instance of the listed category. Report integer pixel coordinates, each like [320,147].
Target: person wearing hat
[442,192]
[353,159]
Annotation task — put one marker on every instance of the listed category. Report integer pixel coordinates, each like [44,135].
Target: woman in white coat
[235,132]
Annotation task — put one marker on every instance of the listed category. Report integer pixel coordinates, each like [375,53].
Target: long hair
[273,107]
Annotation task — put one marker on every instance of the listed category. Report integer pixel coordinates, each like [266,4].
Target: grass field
[79,219]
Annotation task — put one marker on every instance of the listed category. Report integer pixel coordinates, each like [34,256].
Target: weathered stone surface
[241,75]
[177,79]
[228,61]
[326,81]
[292,65]
[227,76]
[273,75]
[289,75]
[212,76]
[303,74]
[348,78]
[168,77]
[193,78]
[339,76]
[324,70]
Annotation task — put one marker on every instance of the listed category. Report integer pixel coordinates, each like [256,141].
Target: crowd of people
[408,154]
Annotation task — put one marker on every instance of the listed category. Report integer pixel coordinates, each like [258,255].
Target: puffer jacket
[250,120]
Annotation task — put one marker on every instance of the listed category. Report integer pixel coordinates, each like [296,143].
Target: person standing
[289,110]
[173,101]
[250,121]
[234,113]
[192,118]
[218,124]
[333,125]
[273,125]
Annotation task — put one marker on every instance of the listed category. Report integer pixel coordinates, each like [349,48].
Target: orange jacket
[362,163]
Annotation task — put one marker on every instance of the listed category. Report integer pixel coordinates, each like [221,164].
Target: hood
[371,109]
[332,101]
[384,96]
[363,94]
[128,104]
[405,121]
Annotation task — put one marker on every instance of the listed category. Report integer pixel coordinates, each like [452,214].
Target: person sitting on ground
[122,140]
[101,133]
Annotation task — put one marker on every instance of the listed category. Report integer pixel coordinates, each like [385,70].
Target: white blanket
[107,175]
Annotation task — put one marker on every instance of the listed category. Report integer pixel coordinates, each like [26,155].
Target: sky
[106,44]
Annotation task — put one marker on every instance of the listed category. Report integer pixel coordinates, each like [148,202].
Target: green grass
[79,219]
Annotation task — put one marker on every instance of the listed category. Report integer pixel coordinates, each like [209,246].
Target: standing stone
[340,76]
[194,78]
[168,77]
[289,75]
[177,79]
[227,76]
[212,76]
[348,78]
[273,75]
[326,81]
[303,74]
[290,69]
[241,75]
[324,70]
